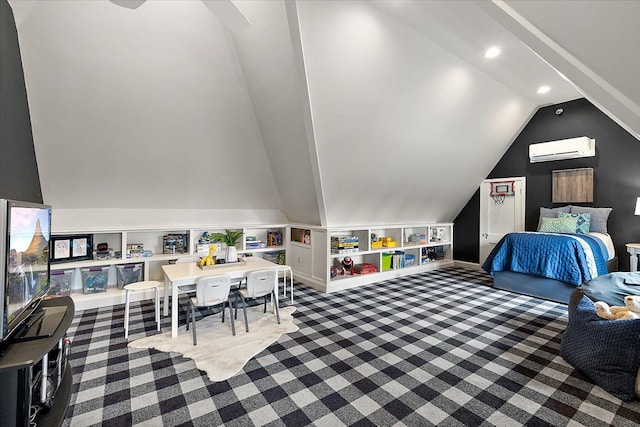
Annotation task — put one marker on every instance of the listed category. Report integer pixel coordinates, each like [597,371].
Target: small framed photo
[60,249]
[71,248]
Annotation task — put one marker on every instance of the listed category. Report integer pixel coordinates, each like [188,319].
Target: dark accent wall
[19,177]
[616,175]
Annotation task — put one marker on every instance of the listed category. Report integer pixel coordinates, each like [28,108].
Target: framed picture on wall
[71,248]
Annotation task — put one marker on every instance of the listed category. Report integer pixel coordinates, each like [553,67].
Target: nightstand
[634,251]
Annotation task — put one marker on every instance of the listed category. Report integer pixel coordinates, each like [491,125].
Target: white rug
[218,353]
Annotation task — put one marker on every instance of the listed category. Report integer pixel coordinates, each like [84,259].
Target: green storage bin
[386,261]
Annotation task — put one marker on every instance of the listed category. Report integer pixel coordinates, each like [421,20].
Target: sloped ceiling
[141,109]
[319,112]
[593,43]
[405,128]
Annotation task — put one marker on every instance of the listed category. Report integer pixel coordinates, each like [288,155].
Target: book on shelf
[274,238]
[344,251]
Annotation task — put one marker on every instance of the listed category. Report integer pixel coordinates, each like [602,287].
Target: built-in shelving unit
[390,250]
[274,250]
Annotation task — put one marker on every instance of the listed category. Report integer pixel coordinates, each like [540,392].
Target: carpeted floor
[439,348]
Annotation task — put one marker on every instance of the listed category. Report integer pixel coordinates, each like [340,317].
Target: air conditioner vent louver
[573,148]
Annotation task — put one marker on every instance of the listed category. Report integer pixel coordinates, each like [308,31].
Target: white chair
[186,260]
[286,269]
[260,284]
[210,292]
[140,286]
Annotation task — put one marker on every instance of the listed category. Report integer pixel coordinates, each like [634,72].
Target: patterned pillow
[584,220]
[599,217]
[551,213]
[559,225]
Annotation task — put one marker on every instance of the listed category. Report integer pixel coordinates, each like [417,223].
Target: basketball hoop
[501,189]
[498,199]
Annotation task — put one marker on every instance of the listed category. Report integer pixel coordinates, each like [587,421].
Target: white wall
[266,53]
[405,130]
[141,109]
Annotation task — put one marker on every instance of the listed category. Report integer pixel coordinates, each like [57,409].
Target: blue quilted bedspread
[571,258]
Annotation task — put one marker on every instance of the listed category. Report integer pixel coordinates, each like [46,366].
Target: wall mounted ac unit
[572,148]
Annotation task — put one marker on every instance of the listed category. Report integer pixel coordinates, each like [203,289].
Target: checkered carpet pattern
[439,348]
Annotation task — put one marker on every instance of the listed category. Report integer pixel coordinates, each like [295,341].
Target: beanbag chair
[607,351]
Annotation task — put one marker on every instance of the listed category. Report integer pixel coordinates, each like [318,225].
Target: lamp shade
[637,212]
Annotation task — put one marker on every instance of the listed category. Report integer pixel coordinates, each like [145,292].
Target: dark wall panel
[19,177]
[616,174]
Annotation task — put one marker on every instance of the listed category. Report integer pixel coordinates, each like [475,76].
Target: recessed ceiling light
[492,52]
[544,89]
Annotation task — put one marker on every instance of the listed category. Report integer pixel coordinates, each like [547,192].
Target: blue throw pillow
[584,221]
[599,217]
[607,351]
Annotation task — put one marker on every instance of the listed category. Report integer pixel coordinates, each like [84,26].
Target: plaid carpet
[438,348]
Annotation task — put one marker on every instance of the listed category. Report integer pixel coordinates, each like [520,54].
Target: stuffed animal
[630,311]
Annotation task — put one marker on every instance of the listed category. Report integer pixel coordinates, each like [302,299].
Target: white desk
[176,275]
[634,251]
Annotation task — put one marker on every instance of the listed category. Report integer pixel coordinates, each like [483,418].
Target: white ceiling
[465,30]
[164,106]
[593,43]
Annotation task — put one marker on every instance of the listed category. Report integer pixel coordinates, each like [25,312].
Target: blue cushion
[607,351]
[584,220]
[599,217]
[612,288]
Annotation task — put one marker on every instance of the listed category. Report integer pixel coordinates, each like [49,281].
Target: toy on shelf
[376,243]
[347,266]
[333,271]
[388,242]
[365,268]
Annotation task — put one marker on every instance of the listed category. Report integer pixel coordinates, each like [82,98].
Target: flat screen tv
[25,231]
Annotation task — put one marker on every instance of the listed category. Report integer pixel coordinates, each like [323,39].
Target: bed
[552,262]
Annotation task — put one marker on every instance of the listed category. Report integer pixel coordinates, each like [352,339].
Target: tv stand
[34,371]
[42,324]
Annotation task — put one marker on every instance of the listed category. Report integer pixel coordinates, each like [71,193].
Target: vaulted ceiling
[321,112]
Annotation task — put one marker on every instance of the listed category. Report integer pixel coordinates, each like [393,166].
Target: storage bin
[129,273]
[270,256]
[60,282]
[386,261]
[94,279]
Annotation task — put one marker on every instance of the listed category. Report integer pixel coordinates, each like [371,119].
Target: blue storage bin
[60,282]
[129,273]
[94,279]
